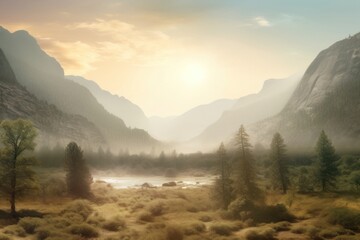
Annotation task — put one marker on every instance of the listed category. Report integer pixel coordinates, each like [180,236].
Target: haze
[169,56]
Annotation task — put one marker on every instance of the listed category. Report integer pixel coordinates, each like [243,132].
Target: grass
[184,214]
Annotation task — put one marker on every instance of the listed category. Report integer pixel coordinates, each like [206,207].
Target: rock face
[121,107]
[54,125]
[43,76]
[328,97]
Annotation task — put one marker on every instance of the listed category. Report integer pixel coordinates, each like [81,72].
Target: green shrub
[346,217]
[29,224]
[84,230]
[276,213]
[241,208]
[114,224]
[81,207]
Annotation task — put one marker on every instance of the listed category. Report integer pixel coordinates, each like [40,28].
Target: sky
[168,56]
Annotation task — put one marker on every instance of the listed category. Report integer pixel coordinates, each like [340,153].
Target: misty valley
[80,162]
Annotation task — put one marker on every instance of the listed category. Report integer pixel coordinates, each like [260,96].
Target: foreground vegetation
[175,213]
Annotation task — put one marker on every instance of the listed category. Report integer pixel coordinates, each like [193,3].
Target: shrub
[205,218]
[240,208]
[281,226]
[261,233]
[73,217]
[44,232]
[274,213]
[346,217]
[81,207]
[29,224]
[328,233]
[61,222]
[84,230]
[145,217]
[174,233]
[114,224]
[4,237]
[194,228]
[299,229]
[221,229]
[15,230]
[156,209]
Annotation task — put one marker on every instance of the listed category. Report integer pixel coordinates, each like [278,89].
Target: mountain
[246,110]
[327,98]
[121,107]
[43,76]
[54,125]
[191,123]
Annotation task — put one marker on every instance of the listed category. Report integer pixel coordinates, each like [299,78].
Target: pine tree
[279,168]
[223,186]
[327,165]
[246,186]
[16,176]
[78,177]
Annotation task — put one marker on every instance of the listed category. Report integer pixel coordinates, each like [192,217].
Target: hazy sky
[168,56]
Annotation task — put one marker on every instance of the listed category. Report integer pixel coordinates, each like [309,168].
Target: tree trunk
[13,188]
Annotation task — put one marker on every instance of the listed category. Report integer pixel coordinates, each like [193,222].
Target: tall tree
[223,186]
[279,167]
[78,177]
[327,162]
[17,137]
[246,184]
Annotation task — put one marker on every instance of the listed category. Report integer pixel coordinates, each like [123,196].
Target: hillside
[54,125]
[328,97]
[43,76]
[121,107]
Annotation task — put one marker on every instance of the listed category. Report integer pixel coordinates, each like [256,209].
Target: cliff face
[54,126]
[328,97]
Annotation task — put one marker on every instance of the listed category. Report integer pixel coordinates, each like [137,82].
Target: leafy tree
[279,168]
[223,186]
[327,165]
[16,176]
[246,186]
[78,177]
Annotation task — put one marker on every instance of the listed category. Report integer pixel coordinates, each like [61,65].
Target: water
[156,181]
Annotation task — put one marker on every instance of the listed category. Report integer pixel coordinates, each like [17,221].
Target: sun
[194,74]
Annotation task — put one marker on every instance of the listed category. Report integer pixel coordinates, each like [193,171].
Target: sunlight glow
[194,74]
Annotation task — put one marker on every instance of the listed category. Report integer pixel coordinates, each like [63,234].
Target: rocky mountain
[247,110]
[191,123]
[328,98]
[54,125]
[43,76]
[121,107]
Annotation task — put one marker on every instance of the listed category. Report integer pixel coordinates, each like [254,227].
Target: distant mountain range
[130,113]
[327,98]
[54,125]
[43,76]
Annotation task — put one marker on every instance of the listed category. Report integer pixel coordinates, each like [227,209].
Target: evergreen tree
[78,177]
[223,186]
[16,176]
[327,165]
[246,186]
[279,168]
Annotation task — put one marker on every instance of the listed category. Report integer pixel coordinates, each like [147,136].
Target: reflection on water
[156,181]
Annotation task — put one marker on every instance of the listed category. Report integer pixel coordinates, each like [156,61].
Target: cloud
[262,22]
[75,57]
[125,42]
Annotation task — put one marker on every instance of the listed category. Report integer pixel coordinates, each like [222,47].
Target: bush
[221,229]
[29,224]
[205,218]
[241,208]
[281,226]
[328,233]
[276,213]
[261,233]
[346,217]
[81,207]
[114,224]
[145,217]
[84,230]
[174,233]
[4,237]
[15,230]
[194,228]
[156,209]
[73,217]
